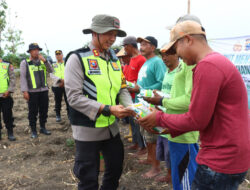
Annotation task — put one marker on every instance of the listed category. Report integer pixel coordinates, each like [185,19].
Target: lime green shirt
[168,81]
[180,99]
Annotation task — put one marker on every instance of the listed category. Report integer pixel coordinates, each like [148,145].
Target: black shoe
[58,118]
[0,135]
[45,131]
[11,136]
[34,135]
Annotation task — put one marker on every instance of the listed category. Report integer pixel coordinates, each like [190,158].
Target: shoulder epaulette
[82,52]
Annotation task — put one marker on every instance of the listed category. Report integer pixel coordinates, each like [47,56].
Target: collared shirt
[12,80]
[24,79]
[74,78]
[55,79]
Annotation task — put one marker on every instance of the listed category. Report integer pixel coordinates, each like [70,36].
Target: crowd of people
[33,82]
[206,101]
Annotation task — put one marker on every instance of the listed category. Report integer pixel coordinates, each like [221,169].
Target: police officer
[93,81]
[58,84]
[34,86]
[7,86]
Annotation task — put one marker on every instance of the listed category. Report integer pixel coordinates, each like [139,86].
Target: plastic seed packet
[160,129]
[150,94]
[146,93]
[142,109]
[130,84]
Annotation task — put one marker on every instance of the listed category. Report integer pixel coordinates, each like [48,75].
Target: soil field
[46,163]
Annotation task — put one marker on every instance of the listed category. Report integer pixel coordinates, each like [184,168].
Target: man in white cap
[183,149]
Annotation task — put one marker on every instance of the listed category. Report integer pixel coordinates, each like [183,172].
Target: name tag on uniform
[94,68]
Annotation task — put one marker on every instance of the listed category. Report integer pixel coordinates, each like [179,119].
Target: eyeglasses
[58,54]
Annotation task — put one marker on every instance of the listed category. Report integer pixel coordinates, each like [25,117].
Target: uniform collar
[101,54]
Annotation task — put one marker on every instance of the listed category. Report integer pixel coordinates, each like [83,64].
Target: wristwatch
[161,101]
[106,111]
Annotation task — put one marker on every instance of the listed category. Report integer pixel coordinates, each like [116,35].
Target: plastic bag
[150,94]
[130,84]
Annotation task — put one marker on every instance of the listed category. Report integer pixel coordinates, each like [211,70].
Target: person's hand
[120,112]
[26,96]
[42,58]
[61,84]
[130,90]
[156,100]
[6,94]
[149,122]
[136,89]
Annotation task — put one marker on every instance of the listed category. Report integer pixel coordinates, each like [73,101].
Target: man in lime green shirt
[184,148]
[162,149]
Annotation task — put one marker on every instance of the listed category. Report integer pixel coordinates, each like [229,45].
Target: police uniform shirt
[12,80]
[76,99]
[23,76]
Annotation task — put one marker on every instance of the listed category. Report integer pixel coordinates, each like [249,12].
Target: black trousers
[38,102]
[6,105]
[58,94]
[87,163]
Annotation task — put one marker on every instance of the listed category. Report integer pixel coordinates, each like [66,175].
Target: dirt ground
[46,163]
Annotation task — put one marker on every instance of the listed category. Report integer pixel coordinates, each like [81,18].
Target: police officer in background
[7,86]
[33,78]
[93,82]
[58,84]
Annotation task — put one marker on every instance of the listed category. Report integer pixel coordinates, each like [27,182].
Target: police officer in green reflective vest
[58,84]
[7,86]
[33,78]
[93,83]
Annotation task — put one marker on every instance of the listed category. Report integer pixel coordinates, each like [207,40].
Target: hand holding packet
[160,130]
[142,109]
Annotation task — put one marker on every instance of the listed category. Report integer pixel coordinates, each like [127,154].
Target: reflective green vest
[4,77]
[36,75]
[59,70]
[102,82]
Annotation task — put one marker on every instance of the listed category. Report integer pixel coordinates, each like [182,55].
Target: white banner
[236,49]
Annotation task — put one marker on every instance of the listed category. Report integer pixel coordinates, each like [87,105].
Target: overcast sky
[59,23]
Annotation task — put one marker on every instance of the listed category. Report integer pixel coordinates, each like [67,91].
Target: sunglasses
[58,54]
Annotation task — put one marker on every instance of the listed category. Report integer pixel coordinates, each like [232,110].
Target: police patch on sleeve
[94,68]
[115,66]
